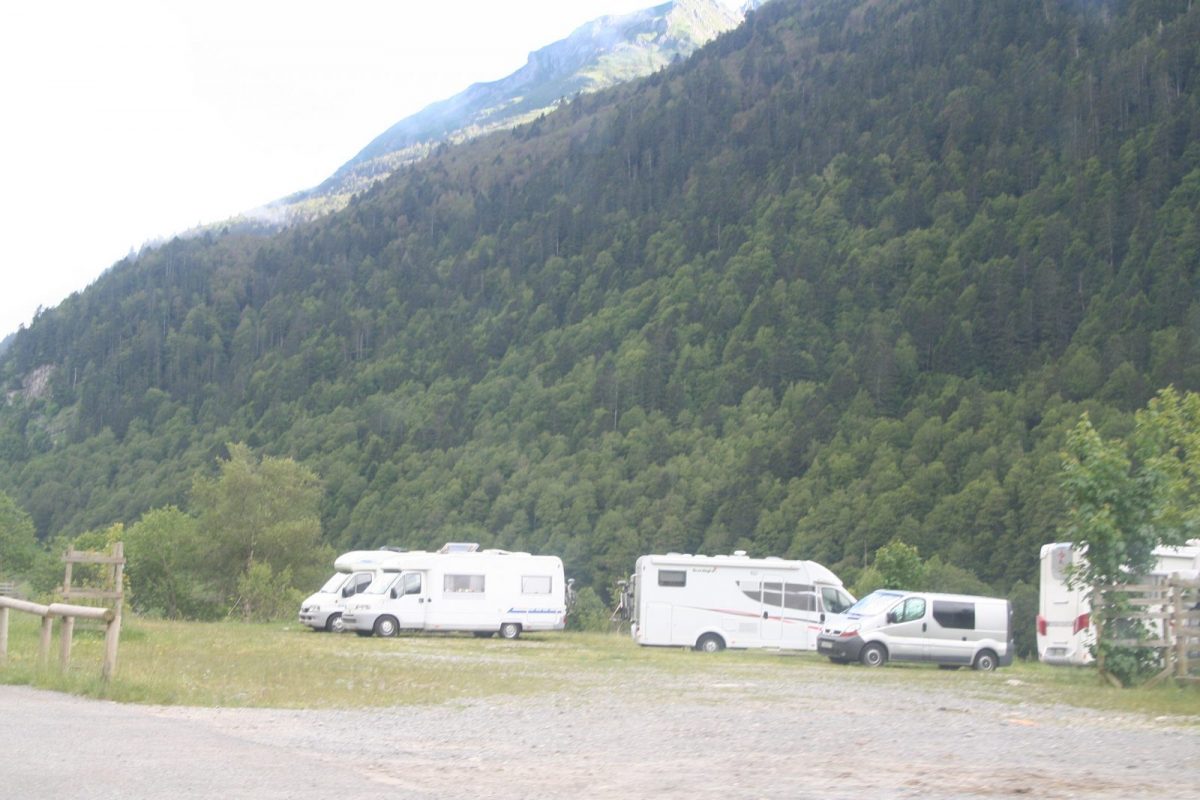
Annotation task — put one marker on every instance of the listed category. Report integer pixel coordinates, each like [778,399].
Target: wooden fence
[111,616]
[1169,610]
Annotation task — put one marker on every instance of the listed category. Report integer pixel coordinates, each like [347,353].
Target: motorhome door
[412,600]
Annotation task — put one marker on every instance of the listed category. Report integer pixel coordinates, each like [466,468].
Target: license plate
[824,646]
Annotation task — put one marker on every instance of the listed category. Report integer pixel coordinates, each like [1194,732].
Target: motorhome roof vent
[739,553]
[459,547]
[393,549]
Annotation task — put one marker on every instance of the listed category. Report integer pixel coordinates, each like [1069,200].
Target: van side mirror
[393,593]
[893,617]
[347,591]
[822,616]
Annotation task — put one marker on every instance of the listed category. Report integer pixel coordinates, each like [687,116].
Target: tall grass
[288,666]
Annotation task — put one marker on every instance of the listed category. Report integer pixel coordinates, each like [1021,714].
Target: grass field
[289,666]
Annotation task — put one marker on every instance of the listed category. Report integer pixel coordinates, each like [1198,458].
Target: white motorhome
[713,602]
[322,610]
[461,588]
[1065,634]
[946,629]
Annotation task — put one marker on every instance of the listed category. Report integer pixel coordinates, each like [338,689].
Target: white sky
[126,121]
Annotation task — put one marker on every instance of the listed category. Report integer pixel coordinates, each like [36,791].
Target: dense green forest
[848,275]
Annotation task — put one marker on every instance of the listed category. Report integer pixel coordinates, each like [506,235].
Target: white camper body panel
[322,610]
[712,602]
[1065,634]
[484,592]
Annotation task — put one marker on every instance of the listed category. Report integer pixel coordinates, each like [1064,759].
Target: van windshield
[334,583]
[382,583]
[876,602]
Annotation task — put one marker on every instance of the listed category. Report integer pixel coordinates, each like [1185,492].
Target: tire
[387,626]
[334,624]
[873,655]
[510,630]
[986,661]
[710,643]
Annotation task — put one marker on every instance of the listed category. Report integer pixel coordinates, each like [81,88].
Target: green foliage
[165,563]
[1024,599]
[1127,497]
[18,540]
[589,612]
[899,565]
[264,595]
[259,519]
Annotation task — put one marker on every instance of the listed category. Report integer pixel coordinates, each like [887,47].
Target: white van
[947,629]
[713,602]
[1065,633]
[322,610]
[460,588]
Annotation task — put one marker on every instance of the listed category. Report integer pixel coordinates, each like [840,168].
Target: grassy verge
[288,666]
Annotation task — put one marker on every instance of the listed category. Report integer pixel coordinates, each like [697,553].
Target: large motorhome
[322,610]
[462,588]
[1065,634]
[713,602]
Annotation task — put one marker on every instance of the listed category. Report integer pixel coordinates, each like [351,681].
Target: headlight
[849,630]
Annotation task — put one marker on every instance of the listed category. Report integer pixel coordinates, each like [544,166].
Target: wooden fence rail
[111,617]
[1171,608]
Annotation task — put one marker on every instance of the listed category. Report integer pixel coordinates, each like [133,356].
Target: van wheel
[510,630]
[985,661]
[873,655]
[387,626]
[334,624]
[710,643]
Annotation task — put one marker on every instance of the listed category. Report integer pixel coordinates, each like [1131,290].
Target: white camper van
[322,610]
[1065,634]
[461,588]
[713,602]
[945,629]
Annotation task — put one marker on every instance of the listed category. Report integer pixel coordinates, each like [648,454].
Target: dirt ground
[828,734]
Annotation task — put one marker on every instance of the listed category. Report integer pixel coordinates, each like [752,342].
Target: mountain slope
[600,54]
[846,275]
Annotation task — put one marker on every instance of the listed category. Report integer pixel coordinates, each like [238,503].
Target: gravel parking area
[822,733]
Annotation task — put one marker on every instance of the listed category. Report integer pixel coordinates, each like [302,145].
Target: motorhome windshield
[382,583]
[874,603]
[334,583]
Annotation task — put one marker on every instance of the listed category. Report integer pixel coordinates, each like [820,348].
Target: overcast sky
[131,120]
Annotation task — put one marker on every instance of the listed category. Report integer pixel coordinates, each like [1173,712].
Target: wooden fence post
[47,634]
[112,633]
[67,633]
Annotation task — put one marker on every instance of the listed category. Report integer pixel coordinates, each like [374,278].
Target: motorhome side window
[535,584]
[952,614]
[796,596]
[411,583]
[672,577]
[458,584]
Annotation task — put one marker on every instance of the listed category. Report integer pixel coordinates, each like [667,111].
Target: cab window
[911,609]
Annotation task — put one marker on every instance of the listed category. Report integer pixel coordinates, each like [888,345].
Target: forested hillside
[847,275]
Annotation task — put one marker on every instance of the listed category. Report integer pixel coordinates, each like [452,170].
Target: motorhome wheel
[985,661]
[873,655]
[334,624]
[710,643]
[510,630]
[387,626]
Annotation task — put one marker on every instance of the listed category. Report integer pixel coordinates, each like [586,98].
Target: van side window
[411,583]
[535,584]
[913,609]
[954,614]
[361,581]
[455,584]
[672,577]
